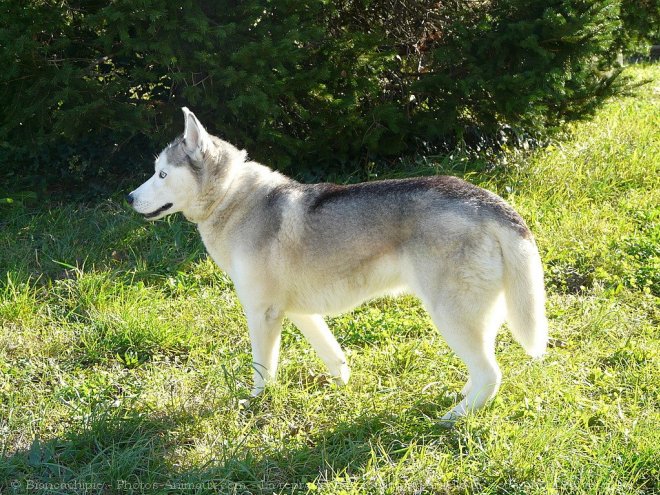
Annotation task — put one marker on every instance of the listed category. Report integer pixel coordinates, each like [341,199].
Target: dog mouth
[160,210]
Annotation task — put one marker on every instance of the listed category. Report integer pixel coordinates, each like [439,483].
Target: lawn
[124,353]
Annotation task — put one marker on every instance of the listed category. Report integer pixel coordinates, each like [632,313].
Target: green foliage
[641,24]
[94,88]
[523,65]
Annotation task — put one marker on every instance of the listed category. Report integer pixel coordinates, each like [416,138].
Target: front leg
[265,325]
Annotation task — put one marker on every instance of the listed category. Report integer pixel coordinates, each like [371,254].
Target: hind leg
[478,353]
[463,294]
[466,388]
[470,332]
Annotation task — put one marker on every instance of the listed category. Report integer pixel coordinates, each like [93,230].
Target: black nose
[130,199]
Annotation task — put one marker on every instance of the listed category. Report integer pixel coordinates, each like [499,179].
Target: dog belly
[334,299]
[331,292]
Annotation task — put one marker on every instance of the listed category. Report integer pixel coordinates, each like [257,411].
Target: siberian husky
[307,250]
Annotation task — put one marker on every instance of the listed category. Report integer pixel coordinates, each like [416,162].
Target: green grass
[124,352]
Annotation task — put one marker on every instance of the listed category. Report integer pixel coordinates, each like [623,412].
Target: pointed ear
[195,138]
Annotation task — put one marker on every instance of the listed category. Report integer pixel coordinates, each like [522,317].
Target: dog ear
[195,138]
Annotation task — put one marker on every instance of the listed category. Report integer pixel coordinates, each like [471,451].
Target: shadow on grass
[133,454]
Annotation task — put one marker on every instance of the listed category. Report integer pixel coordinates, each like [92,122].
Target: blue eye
[162,174]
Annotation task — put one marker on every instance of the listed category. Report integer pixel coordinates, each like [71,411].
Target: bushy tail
[524,292]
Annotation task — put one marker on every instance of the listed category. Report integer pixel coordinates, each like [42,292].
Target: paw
[447,421]
[257,390]
[342,374]
[450,419]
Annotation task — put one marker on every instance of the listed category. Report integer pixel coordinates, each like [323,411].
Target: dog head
[178,170]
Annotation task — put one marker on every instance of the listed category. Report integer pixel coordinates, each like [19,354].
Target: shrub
[640,24]
[94,88]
